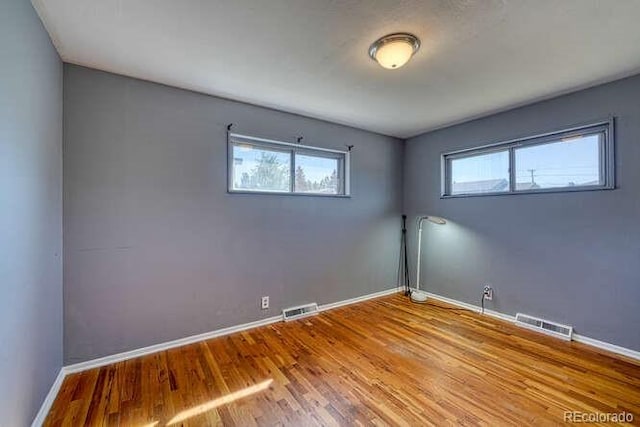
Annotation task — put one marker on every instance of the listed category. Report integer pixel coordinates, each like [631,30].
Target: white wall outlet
[487,292]
[265,303]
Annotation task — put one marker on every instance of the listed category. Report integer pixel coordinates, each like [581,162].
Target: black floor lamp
[403,264]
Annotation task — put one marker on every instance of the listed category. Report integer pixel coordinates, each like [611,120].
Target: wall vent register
[300,311]
[545,326]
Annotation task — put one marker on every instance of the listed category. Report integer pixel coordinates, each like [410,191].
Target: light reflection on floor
[212,404]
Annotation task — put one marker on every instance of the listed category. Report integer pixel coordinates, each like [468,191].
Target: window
[572,160]
[261,169]
[262,166]
[480,173]
[317,174]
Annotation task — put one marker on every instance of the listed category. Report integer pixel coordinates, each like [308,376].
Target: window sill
[275,193]
[544,191]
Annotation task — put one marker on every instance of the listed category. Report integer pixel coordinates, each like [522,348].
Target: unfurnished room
[319,213]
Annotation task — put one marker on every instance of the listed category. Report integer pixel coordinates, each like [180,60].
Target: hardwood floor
[381,362]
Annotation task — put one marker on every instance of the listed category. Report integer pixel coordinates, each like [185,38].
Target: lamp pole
[419,252]
[418,295]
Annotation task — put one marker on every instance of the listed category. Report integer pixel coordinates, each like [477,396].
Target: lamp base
[419,296]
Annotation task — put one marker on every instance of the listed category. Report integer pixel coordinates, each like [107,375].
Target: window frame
[606,159]
[343,157]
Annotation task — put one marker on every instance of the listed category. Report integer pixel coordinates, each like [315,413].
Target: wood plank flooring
[381,362]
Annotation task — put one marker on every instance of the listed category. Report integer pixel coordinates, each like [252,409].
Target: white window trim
[607,159]
[235,138]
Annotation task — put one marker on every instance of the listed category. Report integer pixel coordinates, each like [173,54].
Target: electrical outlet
[265,303]
[487,293]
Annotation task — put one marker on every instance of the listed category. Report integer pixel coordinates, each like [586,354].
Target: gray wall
[568,257]
[155,248]
[30,213]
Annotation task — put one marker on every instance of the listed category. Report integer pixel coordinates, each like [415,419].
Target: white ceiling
[310,56]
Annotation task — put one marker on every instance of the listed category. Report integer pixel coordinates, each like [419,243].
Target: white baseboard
[107,360]
[472,307]
[119,357]
[633,354]
[49,398]
[325,307]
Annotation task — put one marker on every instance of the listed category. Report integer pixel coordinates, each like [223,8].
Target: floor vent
[546,327]
[300,311]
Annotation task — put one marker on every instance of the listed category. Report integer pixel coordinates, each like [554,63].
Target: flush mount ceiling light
[394,50]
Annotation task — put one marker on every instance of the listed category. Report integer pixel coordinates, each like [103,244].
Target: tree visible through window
[316,174]
[286,168]
[268,173]
[260,169]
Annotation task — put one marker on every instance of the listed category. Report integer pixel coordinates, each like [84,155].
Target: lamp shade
[432,219]
[394,54]
[436,220]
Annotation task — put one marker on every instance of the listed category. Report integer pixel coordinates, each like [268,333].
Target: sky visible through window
[259,168]
[316,168]
[246,159]
[562,163]
[482,173]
